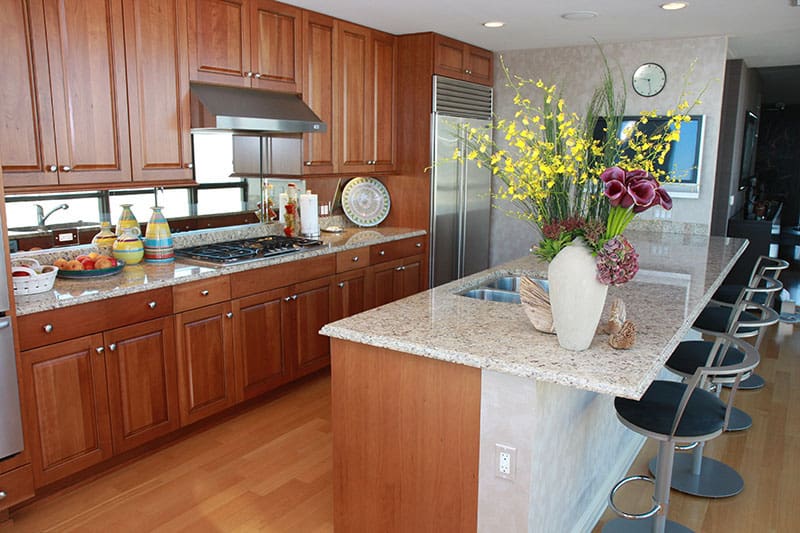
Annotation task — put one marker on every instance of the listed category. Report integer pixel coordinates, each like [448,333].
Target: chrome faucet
[41,218]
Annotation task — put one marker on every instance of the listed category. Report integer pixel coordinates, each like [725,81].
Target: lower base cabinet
[394,280]
[206,376]
[90,397]
[305,312]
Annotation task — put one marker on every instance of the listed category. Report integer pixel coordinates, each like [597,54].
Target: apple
[19,273]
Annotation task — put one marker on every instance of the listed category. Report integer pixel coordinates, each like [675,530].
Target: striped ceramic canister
[158,246]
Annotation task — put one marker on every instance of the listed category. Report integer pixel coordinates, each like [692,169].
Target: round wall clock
[649,79]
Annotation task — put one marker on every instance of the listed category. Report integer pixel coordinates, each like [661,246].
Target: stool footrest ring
[632,516]
[687,447]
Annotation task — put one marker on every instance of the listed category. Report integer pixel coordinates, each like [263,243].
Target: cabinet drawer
[16,486]
[352,259]
[390,251]
[40,329]
[200,293]
[282,275]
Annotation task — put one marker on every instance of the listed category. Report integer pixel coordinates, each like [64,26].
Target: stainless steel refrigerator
[10,417]
[460,191]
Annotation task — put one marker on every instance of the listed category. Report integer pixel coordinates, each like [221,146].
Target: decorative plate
[84,274]
[365,201]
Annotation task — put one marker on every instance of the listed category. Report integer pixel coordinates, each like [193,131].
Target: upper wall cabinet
[365,80]
[63,104]
[250,43]
[158,90]
[462,61]
[318,91]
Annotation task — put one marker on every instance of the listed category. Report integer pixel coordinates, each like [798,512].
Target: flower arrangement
[566,183]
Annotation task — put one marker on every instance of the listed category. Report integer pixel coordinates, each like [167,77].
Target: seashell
[625,337]
[616,317]
[536,303]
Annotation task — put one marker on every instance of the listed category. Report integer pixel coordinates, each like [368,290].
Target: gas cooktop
[239,251]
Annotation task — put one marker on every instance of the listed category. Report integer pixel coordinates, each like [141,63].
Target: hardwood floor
[269,469]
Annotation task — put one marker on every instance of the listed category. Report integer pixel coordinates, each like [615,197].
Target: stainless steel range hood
[218,108]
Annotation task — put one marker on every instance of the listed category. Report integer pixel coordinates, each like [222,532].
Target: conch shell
[625,337]
[617,316]
[536,303]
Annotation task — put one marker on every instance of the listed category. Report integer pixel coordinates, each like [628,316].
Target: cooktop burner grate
[238,251]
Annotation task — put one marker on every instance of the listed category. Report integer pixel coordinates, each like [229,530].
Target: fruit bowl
[30,277]
[95,273]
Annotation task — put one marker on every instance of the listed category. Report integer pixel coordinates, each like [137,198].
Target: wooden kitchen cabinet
[158,90]
[258,343]
[248,43]
[206,379]
[66,399]
[142,382]
[303,314]
[397,271]
[319,91]
[462,61]
[349,294]
[365,62]
[66,118]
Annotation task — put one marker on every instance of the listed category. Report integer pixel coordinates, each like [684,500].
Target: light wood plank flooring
[269,469]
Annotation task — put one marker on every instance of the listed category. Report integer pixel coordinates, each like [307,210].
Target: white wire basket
[39,279]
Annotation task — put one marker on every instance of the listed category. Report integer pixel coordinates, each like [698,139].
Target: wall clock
[649,79]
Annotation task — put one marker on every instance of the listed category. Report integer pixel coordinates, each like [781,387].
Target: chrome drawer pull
[48,328]
[152,305]
[382,252]
[203,293]
[418,245]
[2,495]
[355,259]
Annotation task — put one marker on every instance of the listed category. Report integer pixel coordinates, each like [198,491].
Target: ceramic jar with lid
[104,240]
[128,246]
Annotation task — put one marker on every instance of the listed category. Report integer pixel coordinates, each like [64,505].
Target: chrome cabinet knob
[2,495]
[355,259]
[382,252]
[100,350]
[112,346]
[308,163]
[341,284]
[152,305]
[229,314]
[294,297]
[467,71]
[66,168]
[248,74]
[287,299]
[257,75]
[418,245]
[48,328]
[189,165]
[204,293]
[398,269]
[52,168]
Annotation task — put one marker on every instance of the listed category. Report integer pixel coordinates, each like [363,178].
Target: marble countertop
[678,274]
[148,276]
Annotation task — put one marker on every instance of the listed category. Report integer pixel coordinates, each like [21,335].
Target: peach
[73,265]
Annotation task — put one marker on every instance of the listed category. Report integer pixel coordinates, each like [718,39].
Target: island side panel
[406,436]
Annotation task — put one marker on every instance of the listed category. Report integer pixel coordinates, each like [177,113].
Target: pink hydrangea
[617,261]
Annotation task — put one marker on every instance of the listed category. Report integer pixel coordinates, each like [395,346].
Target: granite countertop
[147,276]
[678,274]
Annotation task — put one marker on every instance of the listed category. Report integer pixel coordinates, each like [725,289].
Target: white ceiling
[762,32]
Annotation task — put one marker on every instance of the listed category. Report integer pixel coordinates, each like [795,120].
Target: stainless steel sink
[492,295]
[511,283]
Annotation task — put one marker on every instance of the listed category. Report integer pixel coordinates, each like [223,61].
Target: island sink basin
[493,295]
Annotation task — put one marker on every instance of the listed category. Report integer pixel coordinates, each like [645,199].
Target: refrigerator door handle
[5,322]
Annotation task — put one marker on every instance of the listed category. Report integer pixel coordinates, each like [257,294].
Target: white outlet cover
[505,458]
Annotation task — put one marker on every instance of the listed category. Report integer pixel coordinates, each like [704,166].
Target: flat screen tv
[685,157]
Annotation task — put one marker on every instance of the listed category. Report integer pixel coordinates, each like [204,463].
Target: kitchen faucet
[41,218]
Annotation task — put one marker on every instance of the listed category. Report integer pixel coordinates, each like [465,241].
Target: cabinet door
[480,66]
[349,294]
[318,91]
[276,46]
[142,382]
[27,140]
[258,329]
[158,90]
[381,108]
[306,311]
[206,379]
[411,275]
[354,85]
[67,405]
[219,41]
[86,53]
[384,284]
[449,57]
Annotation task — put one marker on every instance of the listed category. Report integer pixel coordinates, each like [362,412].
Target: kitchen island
[423,390]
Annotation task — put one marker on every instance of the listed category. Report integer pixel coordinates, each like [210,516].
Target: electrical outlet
[505,459]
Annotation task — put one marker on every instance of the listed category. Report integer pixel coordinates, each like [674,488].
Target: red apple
[19,273]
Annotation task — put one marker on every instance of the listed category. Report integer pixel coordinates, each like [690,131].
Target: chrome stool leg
[695,474]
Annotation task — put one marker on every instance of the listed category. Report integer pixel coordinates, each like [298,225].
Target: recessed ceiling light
[494,24]
[672,6]
[578,15]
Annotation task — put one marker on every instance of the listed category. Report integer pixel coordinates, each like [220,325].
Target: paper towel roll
[309,215]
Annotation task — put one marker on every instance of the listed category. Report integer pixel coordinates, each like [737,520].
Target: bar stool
[739,321]
[676,414]
[769,267]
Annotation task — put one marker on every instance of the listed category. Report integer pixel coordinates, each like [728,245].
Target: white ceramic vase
[576,296]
